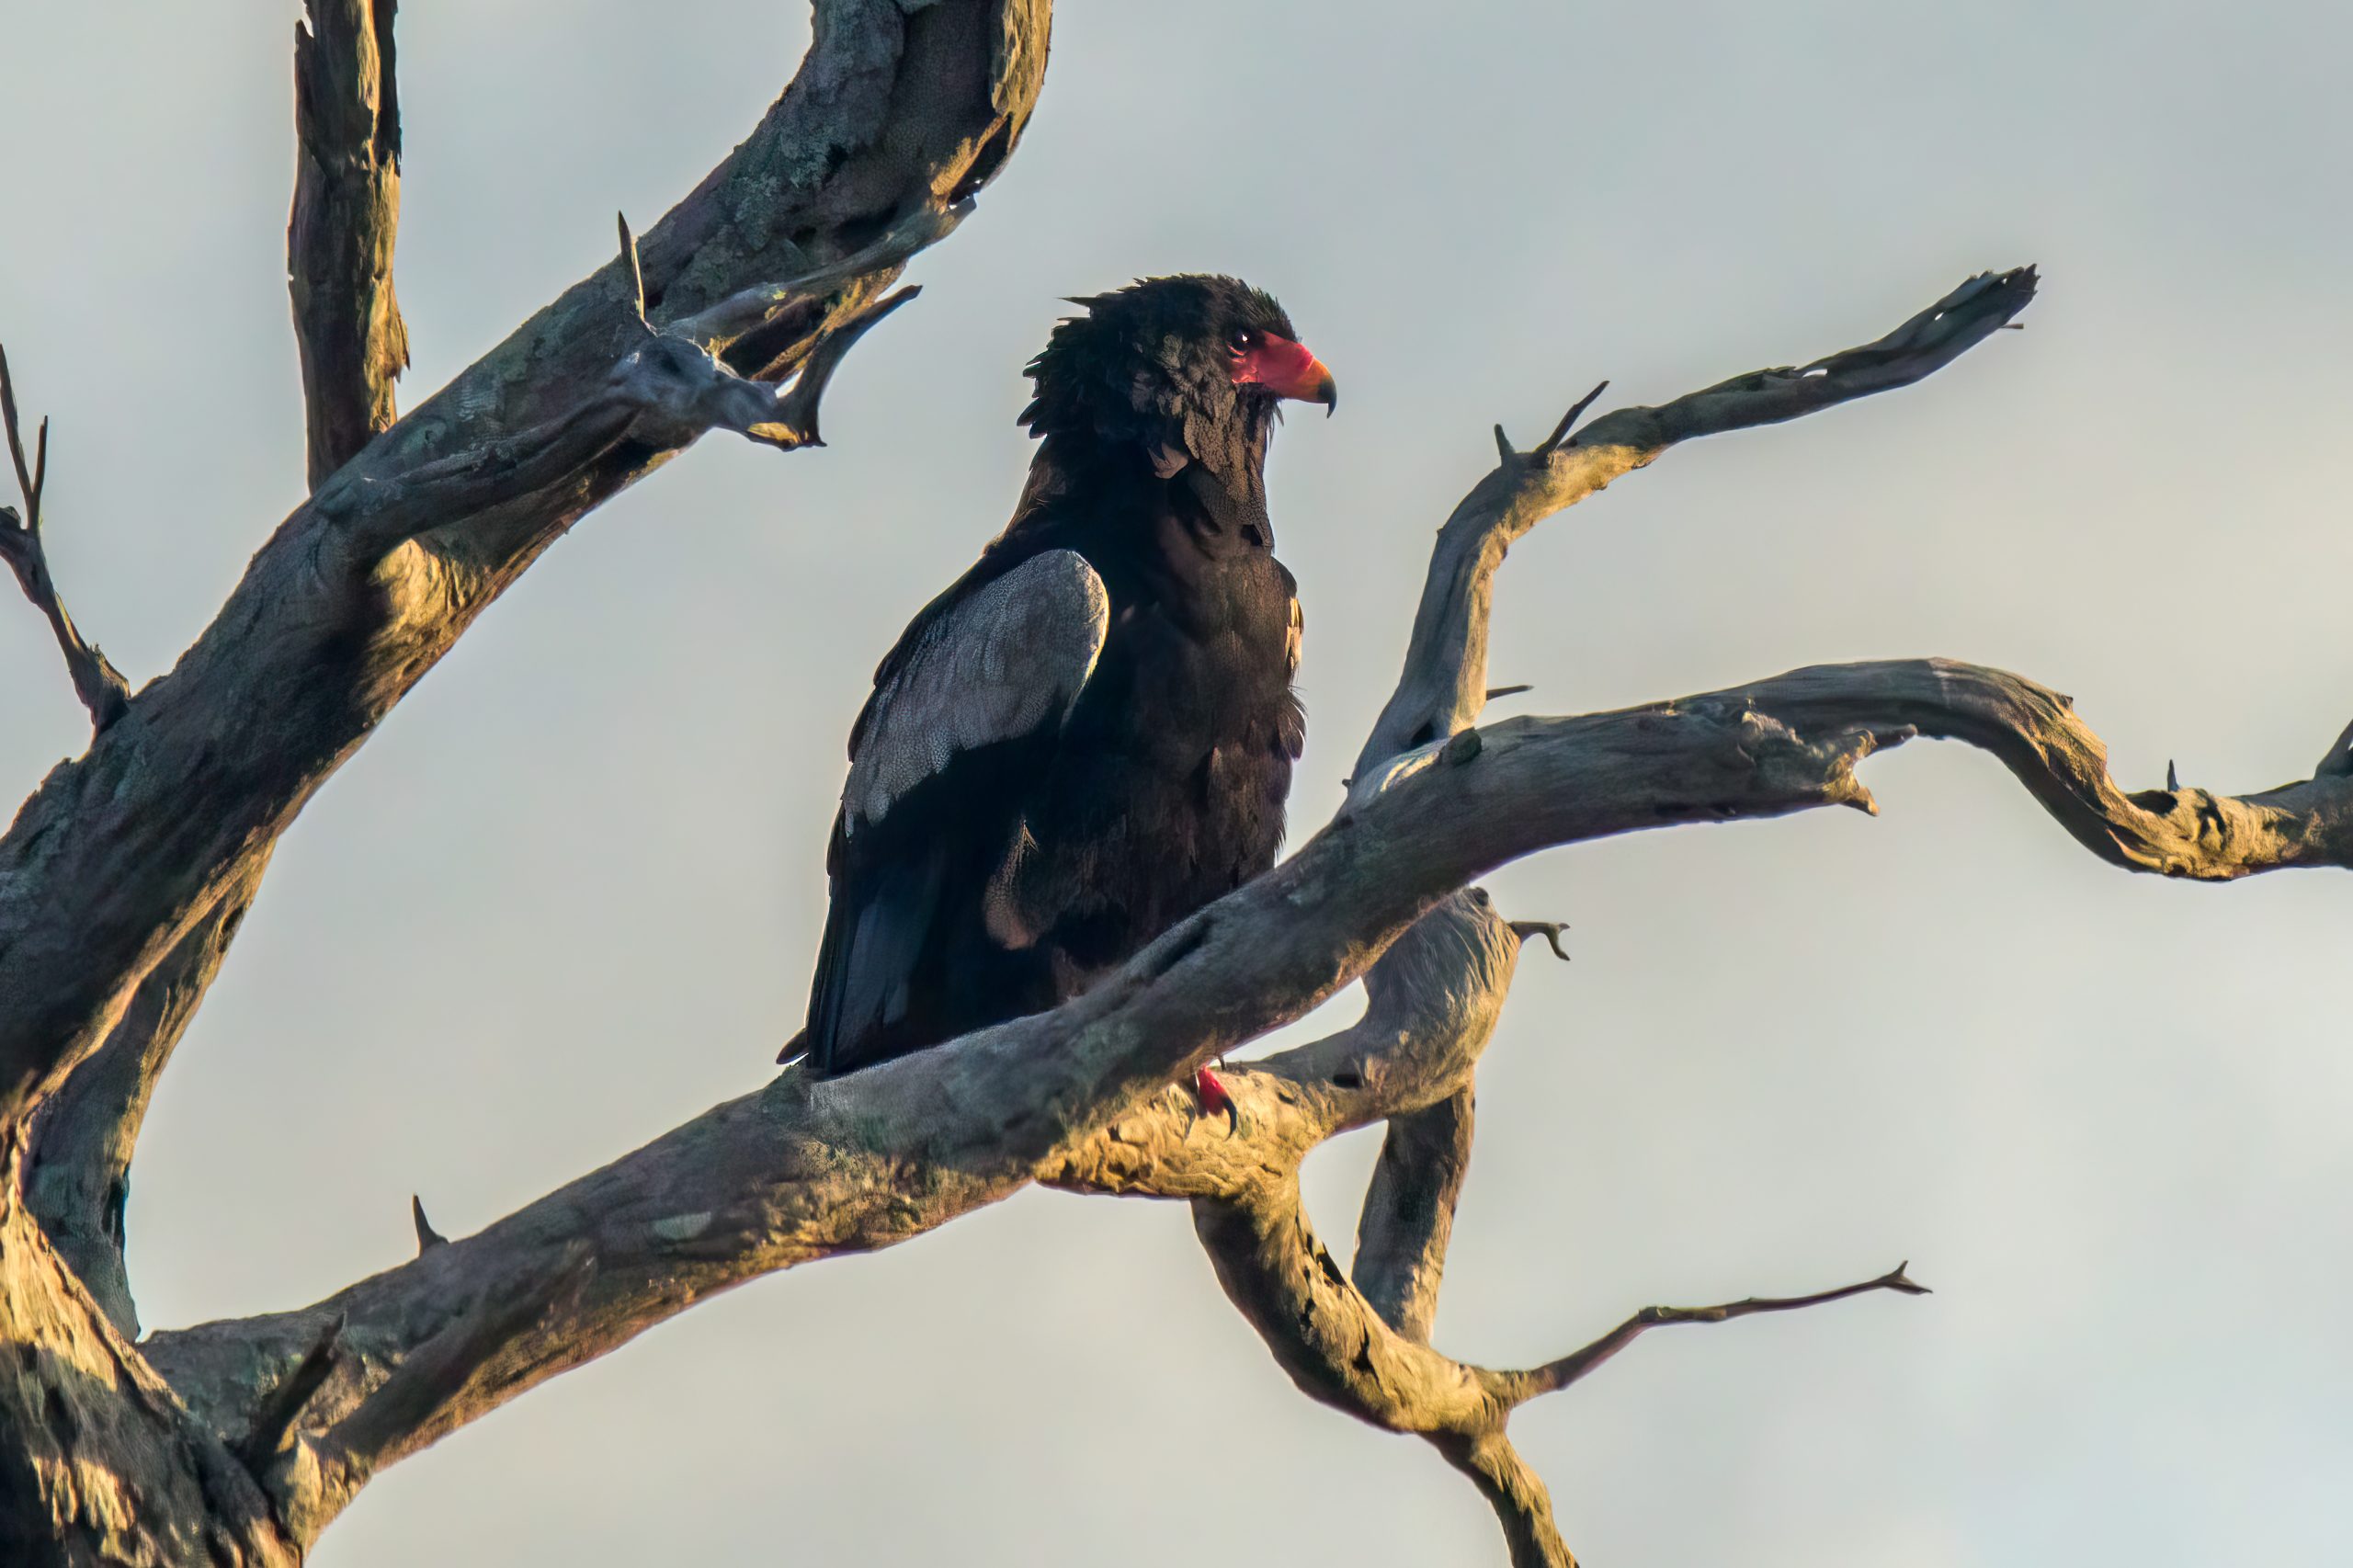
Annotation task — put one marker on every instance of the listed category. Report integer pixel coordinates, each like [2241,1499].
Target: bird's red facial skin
[1285,369]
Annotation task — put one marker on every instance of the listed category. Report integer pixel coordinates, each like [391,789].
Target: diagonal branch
[1433,1001]
[346,217]
[1408,1215]
[1522,1504]
[802,1170]
[895,113]
[96,680]
[666,392]
[77,1175]
[1444,685]
[352,344]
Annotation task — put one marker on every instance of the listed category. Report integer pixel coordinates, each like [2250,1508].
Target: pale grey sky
[566,897]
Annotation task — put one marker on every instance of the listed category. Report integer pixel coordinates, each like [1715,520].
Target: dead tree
[125,874]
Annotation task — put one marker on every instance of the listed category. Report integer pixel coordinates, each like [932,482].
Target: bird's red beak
[1287,370]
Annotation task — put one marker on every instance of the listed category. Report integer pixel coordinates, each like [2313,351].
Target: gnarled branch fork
[123,879]
[1081,1097]
[122,852]
[352,344]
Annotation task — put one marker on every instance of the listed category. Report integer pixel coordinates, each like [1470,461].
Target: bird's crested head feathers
[1192,359]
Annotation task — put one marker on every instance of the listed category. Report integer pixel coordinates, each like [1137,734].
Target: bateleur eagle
[1090,733]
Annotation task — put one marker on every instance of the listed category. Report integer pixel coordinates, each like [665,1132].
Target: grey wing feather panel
[1008,660]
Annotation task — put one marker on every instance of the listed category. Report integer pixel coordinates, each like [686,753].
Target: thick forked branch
[352,344]
[1432,1003]
[896,112]
[96,680]
[1445,681]
[667,388]
[1338,1350]
[666,391]
[1079,1096]
[801,1170]
[804,1170]
[346,216]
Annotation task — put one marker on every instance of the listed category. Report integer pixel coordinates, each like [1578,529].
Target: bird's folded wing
[1005,661]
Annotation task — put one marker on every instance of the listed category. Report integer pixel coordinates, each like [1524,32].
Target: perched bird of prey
[1090,733]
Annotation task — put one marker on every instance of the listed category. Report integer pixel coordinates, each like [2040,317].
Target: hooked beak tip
[1327,392]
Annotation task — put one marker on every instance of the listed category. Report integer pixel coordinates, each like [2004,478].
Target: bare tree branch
[103,1464]
[1339,1351]
[346,217]
[275,1421]
[1432,1003]
[118,854]
[1408,1215]
[123,879]
[805,1170]
[1445,680]
[1553,1376]
[1522,1504]
[802,1170]
[665,393]
[96,680]
[77,1175]
[352,344]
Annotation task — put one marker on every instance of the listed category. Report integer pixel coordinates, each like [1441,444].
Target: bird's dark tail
[867,966]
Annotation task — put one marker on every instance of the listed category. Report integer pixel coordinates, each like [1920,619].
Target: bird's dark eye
[1241,340]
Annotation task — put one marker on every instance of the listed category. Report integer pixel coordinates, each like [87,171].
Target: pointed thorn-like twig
[1548,930]
[1503,446]
[1568,421]
[635,269]
[2173,779]
[1496,692]
[427,1238]
[28,481]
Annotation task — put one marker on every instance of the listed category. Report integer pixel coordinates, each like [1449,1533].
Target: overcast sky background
[567,896]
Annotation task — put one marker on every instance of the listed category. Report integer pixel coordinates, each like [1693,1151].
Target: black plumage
[1090,733]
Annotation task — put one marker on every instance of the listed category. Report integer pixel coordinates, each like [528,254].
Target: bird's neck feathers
[1210,478]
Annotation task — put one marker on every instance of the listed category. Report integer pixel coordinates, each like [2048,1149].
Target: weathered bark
[77,1175]
[99,1463]
[346,216]
[800,1170]
[897,112]
[1444,685]
[1408,1215]
[353,344]
[123,877]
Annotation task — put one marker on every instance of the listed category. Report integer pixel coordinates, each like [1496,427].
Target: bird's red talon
[1210,1090]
